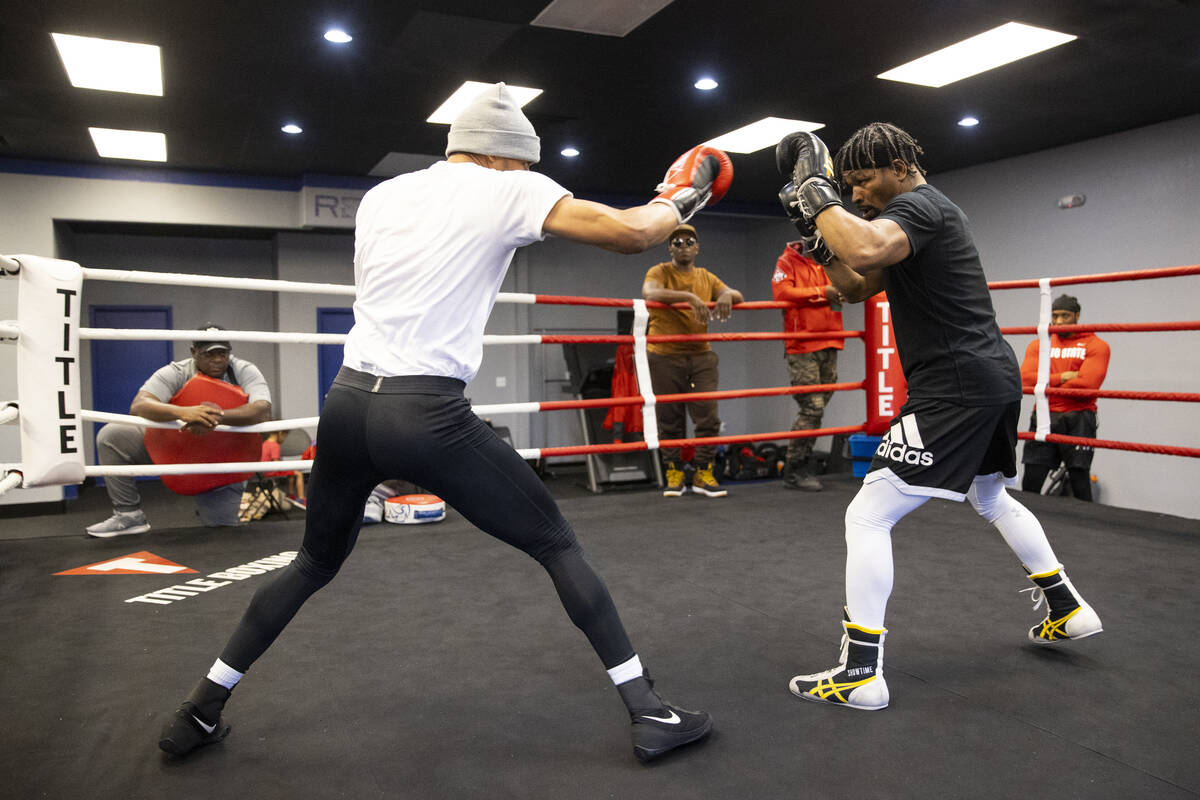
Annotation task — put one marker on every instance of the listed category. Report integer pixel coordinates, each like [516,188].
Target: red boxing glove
[698,178]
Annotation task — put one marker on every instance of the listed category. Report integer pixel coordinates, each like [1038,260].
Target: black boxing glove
[814,243]
[805,159]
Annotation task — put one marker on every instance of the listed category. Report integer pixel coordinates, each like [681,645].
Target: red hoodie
[1085,353]
[802,280]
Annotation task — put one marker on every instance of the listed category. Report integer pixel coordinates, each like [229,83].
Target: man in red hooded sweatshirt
[801,280]
[1077,361]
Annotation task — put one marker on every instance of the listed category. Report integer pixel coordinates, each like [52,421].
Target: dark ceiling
[234,72]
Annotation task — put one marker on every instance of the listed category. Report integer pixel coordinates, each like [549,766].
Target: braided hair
[878,145]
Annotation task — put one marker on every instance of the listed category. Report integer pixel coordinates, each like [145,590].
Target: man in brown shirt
[681,367]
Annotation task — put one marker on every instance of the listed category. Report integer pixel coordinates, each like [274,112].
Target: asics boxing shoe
[857,682]
[1068,616]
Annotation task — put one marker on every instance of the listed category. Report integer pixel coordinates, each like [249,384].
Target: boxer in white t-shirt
[431,250]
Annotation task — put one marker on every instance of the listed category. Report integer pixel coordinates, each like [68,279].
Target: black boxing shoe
[657,732]
[188,730]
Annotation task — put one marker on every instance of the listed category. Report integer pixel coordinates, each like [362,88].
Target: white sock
[627,671]
[224,675]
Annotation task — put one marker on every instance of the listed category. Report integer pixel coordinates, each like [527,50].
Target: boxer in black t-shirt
[956,435]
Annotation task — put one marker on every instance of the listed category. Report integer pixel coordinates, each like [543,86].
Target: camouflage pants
[806,369]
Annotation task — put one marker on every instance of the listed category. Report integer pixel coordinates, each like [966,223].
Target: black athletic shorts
[1064,423]
[936,448]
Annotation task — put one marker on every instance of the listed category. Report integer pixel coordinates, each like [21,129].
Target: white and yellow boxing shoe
[1068,616]
[857,682]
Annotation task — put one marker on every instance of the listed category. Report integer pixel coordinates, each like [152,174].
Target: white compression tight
[872,513]
[878,506]
[1021,530]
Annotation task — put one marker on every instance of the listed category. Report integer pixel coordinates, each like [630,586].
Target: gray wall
[1140,213]
[1137,215]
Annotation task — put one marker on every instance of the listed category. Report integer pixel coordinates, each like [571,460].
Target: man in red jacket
[1077,361]
[801,280]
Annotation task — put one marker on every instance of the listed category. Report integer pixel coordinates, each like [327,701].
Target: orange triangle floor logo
[141,563]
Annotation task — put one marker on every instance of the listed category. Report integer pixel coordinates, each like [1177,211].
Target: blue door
[329,356]
[120,368]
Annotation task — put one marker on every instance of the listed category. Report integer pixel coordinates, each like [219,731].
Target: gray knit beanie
[493,125]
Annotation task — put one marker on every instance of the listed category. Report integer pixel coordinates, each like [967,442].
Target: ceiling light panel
[464,94]
[601,17]
[111,65]
[1005,44]
[137,145]
[765,133]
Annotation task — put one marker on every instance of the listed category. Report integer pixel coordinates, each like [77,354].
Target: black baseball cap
[206,345]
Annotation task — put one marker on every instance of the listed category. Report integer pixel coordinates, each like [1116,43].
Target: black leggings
[421,429]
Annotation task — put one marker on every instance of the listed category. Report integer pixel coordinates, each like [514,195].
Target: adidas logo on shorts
[903,443]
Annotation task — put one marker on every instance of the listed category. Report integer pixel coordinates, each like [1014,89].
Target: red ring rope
[1160,449]
[622,302]
[637,399]
[630,447]
[556,338]
[1183,325]
[1181,397]
[1105,277]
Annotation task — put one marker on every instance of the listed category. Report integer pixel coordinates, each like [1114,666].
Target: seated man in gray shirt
[124,444]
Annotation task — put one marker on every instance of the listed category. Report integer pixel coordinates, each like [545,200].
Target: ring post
[885,384]
[48,311]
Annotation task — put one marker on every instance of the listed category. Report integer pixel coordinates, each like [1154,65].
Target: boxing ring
[48,336]
[468,683]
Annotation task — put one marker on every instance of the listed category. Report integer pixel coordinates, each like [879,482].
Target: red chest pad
[178,447]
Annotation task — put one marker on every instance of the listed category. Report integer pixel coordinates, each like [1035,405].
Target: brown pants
[677,374]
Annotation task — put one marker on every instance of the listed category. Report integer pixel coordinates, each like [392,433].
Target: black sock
[639,695]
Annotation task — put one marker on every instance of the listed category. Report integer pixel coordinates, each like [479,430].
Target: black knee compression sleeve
[272,608]
[589,605]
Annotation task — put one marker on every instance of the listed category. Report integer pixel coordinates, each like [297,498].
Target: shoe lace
[1036,596]
[705,475]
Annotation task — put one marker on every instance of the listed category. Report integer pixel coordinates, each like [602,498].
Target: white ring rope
[142,422]
[215,282]
[161,334]
[9,265]
[10,330]
[130,470]
[249,284]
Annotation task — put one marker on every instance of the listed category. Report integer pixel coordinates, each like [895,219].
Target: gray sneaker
[120,524]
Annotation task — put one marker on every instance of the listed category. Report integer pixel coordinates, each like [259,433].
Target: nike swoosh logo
[671,720]
[200,722]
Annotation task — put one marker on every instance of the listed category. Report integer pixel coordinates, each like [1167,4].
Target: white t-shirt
[430,251]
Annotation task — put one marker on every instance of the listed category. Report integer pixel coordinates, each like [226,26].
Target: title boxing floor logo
[903,443]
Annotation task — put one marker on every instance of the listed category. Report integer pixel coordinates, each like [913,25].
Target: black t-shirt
[949,344]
